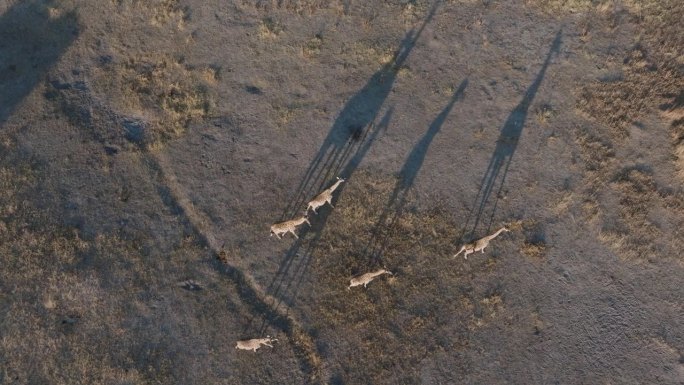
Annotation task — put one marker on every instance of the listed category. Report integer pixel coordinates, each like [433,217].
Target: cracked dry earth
[147,146]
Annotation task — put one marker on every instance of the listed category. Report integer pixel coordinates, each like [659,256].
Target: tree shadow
[506,145]
[351,123]
[33,37]
[407,176]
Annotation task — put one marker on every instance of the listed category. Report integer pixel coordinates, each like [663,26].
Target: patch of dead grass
[630,230]
[596,153]
[312,47]
[165,91]
[393,310]
[269,28]
[533,250]
[299,7]
[158,12]
[651,71]
[534,243]
[601,7]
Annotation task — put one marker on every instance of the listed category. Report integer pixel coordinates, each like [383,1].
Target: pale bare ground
[148,146]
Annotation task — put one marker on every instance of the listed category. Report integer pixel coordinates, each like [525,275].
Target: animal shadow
[351,124]
[407,176]
[506,146]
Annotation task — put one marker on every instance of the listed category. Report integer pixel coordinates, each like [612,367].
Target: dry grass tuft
[619,105]
[679,153]
[312,47]
[165,91]
[650,74]
[674,112]
[629,227]
[606,8]
[596,153]
[545,113]
[299,7]
[533,250]
[534,244]
[269,29]
[158,12]
[636,192]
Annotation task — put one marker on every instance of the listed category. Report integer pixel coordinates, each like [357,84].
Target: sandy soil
[147,146]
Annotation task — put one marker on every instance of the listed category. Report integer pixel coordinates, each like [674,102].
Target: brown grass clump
[636,191]
[674,112]
[269,28]
[562,6]
[299,7]
[158,12]
[312,47]
[545,113]
[629,228]
[58,298]
[633,214]
[596,153]
[165,11]
[621,203]
[618,105]
[650,74]
[601,7]
[534,244]
[533,250]
[167,93]
[679,153]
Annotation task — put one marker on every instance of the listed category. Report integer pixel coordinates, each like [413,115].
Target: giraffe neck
[334,187]
[497,233]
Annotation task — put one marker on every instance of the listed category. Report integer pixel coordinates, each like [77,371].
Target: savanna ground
[147,146]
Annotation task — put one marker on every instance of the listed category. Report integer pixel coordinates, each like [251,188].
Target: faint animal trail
[478,245]
[288,226]
[255,343]
[324,197]
[365,279]
[249,291]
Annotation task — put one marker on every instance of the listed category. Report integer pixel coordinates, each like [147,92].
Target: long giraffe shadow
[31,42]
[506,145]
[340,154]
[294,264]
[406,178]
[351,123]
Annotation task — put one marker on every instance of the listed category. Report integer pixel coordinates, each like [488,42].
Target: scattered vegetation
[312,47]
[545,113]
[299,7]
[650,72]
[649,81]
[164,90]
[269,28]
[158,12]
[366,231]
